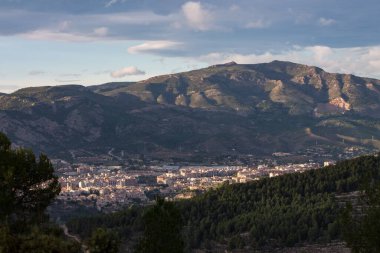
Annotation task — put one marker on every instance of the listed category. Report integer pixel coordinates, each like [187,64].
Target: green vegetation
[41,238]
[28,186]
[103,241]
[273,212]
[162,229]
[361,223]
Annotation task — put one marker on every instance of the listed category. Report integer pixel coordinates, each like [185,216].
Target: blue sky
[53,42]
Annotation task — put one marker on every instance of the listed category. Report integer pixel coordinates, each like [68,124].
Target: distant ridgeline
[273,212]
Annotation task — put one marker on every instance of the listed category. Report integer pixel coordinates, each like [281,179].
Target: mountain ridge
[225,108]
[209,88]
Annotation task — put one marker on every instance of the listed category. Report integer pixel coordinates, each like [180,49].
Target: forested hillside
[273,212]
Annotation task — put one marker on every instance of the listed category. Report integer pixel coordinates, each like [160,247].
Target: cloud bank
[197,16]
[127,71]
[363,61]
[157,46]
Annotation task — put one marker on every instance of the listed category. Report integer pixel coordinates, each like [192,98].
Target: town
[110,188]
[111,183]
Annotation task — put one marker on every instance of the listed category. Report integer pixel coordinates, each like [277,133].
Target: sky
[88,42]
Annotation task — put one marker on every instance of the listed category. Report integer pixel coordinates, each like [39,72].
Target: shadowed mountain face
[259,109]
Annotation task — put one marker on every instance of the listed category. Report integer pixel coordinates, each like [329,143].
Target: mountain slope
[299,88]
[224,109]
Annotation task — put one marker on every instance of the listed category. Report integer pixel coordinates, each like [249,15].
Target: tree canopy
[162,229]
[28,185]
[103,241]
[361,222]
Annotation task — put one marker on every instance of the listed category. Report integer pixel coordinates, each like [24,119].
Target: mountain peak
[283,62]
[231,63]
[289,64]
[227,64]
[31,91]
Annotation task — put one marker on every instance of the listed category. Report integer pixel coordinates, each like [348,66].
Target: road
[114,156]
[75,238]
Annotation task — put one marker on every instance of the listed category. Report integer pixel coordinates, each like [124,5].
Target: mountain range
[227,108]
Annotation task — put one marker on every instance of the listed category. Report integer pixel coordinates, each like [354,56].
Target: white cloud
[112,2]
[256,24]
[197,16]
[321,53]
[90,27]
[217,58]
[101,31]
[129,18]
[155,46]
[8,88]
[127,71]
[362,61]
[326,21]
[57,36]
[68,36]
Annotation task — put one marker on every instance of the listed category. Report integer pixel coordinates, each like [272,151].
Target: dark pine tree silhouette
[162,229]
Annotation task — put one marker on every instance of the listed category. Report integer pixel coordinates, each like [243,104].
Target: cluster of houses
[112,187]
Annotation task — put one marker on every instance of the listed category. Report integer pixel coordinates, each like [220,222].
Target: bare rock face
[334,106]
[199,100]
[341,104]
[182,100]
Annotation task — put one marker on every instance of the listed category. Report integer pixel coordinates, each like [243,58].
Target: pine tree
[28,185]
[162,229]
[103,241]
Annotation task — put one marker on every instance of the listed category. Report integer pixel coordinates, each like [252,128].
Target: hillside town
[109,188]
[113,181]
